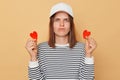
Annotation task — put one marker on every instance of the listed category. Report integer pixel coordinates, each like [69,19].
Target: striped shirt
[61,63]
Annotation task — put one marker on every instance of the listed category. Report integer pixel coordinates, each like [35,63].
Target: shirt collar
[62,45]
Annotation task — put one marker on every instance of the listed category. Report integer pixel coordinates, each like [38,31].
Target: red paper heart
[86,34]
[34,35]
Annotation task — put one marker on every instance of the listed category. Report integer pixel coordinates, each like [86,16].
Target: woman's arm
[34,69]
[87,64]
[86,71]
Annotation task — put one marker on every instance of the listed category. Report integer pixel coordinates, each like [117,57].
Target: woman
[62,57]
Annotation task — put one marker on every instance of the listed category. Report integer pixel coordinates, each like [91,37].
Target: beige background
[20,17]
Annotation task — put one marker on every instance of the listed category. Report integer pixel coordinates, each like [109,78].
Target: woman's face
[61,24]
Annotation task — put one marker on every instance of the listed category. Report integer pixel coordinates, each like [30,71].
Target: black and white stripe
[61,63]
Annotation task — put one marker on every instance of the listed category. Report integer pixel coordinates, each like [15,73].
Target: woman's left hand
[90,45]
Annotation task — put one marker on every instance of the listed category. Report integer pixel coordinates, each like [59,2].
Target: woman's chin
[62,35]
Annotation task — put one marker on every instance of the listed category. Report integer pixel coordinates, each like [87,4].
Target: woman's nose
[61,23]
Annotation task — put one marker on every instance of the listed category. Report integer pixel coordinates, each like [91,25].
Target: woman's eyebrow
[60,18]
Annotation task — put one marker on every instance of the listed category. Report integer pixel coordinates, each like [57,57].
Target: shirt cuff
[89,60]
[33,64]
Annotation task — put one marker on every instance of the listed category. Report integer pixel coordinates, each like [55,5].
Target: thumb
[87,43]
[35,40]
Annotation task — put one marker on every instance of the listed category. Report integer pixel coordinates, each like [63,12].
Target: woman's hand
[90,45]
[31,46]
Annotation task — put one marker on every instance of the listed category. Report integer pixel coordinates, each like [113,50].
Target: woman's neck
[61,40]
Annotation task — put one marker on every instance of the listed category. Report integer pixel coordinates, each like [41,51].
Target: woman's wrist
[33,59]
[89,55]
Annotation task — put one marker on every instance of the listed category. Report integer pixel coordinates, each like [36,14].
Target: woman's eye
[67,20]
[64,20]
[56,20]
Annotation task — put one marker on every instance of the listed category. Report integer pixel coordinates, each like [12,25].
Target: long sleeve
[87,69]
[34,70]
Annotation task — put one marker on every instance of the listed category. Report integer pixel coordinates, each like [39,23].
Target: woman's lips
[61,29]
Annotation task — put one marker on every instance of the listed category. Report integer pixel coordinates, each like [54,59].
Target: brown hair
[71,35]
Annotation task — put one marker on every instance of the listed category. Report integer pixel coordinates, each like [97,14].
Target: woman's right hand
[31,46]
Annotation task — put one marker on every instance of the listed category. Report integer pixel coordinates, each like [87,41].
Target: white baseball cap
[61,7]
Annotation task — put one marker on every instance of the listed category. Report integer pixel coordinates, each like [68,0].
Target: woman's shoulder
[43,44]
[80,44]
